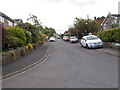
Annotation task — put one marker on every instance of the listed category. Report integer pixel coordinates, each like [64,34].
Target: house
[111,21]
[99,20]
[16,21]
[5,20]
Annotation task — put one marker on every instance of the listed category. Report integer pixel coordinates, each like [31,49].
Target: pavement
[109,51]
[29,59]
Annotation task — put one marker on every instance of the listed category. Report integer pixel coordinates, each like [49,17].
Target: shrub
[22,51]
[14,42]
[111,35]
[16,32]
[28,36]
[116,36]
[15,37]
[26,47]
[30,46]
[13,55]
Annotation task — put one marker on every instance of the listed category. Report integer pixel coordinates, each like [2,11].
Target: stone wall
[111,45]
[15,54]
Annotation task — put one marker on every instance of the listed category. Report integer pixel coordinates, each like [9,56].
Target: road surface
[70,66]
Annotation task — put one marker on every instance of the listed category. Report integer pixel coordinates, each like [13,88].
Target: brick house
[16,21]
[111,21]
[99,20]
[5,22]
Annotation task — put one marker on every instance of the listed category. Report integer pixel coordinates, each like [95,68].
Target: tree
[83,27]
[35,21]
[86,26]
[48,31]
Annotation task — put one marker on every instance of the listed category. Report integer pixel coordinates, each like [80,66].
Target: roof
[18,20]
[100,20]
[116,15]
[110,15]
[5,16]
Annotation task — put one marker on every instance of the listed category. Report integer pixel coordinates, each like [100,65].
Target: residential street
[69,66]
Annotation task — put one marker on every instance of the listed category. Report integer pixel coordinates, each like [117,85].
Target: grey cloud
[83,2]
[54,1]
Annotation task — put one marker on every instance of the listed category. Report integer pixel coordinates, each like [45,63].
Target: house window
[1,19]
[10,23]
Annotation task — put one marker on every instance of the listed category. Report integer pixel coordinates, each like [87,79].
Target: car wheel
[81,45]
[87,46]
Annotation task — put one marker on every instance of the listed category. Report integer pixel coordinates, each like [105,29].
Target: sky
[58,14]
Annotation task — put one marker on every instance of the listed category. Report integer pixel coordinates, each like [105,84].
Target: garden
[21,39]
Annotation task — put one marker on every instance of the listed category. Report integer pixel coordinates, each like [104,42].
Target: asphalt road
[70,66]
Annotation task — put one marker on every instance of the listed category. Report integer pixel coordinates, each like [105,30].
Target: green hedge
[111,35]
[15,37]
[28,36]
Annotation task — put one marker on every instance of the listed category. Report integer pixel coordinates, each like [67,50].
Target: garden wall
[111,45]
[15,54]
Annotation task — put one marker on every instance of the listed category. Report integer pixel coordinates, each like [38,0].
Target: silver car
[91,41]
[73,39]
[52,39]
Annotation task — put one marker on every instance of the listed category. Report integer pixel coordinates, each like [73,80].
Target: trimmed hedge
[111,35]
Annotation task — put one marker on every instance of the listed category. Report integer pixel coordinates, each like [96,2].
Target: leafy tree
[48,31]
[83,27]
[86,26]
[35,21]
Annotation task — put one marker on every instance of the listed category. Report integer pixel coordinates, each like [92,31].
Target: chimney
[94,18]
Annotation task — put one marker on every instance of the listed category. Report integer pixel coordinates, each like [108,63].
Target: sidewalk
[32,57]
[110,51]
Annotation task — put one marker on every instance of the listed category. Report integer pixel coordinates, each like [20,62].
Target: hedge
[15,37]
[111,35]
[14,42]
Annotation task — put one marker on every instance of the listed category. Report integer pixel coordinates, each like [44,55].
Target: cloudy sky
[58,14]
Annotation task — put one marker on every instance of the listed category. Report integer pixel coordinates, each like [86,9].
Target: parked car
[66,38]
[73,39]
[58,37]
[52,39]
[91,41]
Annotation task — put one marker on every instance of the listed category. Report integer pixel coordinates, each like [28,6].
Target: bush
[28,36]
[15,37]
[14,42]
[16,32]
[111,35]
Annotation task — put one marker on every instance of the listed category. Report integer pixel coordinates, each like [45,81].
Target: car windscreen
[92,38]
[73,37]
[66,37]
[52,38]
